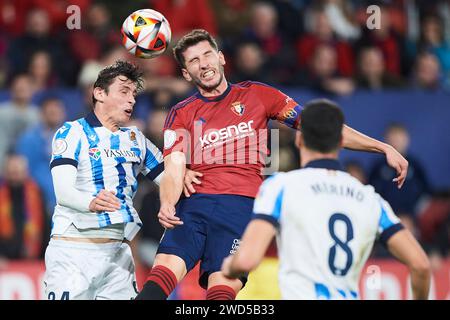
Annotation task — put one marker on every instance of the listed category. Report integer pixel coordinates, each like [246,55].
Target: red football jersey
[224,137]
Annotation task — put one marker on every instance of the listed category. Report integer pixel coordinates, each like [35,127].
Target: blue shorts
[211,231]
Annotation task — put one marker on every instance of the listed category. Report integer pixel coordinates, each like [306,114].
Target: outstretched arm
[355,140]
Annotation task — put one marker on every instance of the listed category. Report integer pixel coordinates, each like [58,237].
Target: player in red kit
[220,132]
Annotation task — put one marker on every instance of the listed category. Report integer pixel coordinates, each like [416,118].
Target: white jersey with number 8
[328,222]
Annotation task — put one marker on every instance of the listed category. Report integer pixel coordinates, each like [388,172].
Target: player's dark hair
[189,40]
[321,125]
[119,68]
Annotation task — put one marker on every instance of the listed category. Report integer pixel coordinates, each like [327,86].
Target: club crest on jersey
[94,153]
[132,136]
[237,108]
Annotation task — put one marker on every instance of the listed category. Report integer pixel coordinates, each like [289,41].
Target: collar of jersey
[330,164]
[216,98]
[92,120]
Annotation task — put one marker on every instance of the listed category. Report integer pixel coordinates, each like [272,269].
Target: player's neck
[309,155]
[106,121]
[221,88]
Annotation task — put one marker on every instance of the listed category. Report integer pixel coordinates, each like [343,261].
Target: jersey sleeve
[66,146]
[280,106]
[389,223]
[176,134]
[153,165]
[269,200]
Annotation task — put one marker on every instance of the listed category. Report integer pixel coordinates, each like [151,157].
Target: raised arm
[355,140]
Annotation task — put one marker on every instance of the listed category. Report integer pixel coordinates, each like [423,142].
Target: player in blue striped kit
[95,163]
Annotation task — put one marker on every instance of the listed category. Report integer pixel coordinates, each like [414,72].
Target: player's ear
[99,94]
[221,58]
[186,75]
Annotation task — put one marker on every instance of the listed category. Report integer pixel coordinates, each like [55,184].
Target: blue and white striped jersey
[327,224]
[104,160]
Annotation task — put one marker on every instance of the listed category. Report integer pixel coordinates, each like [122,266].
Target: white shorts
[87,271]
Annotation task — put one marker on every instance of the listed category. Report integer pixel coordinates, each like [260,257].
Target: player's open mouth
[129,112]
[208,74]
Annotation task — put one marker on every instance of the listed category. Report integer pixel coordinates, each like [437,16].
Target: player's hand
[226,264]
[189,178]
[104,201]
[167,218]
[399,163]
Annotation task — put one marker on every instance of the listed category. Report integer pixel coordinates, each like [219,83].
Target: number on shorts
[64,296]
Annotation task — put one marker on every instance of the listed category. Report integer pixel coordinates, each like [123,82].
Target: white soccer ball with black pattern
[146,33]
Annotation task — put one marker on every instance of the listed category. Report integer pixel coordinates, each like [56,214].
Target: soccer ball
[146,33]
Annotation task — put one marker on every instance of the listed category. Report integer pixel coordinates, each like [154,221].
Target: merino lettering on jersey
[341,190]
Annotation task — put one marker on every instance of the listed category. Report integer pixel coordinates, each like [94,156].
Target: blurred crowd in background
[323,45]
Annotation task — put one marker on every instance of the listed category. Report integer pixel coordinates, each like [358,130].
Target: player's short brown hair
[189,40]
[119,68]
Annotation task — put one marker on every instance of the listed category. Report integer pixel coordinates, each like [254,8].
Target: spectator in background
[57,10]
[37,37]
[186,15]
[404,201]
[427,72]
[432,40]
[16,115]
[292,16]
[40,71]
[249,63]
[386,40]
[372,72]
[231,16]
[355,169]
[322,33]
[434,225]
[22,217]
[343,17]
[35,145]
[264,31]
[12,15]
[322,74]
[96,36]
